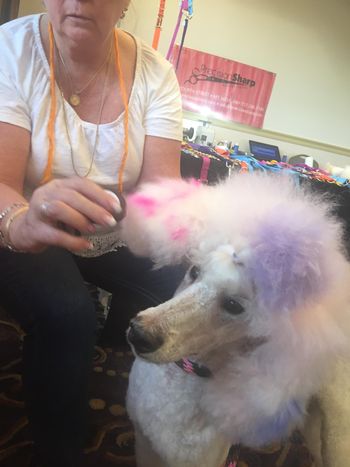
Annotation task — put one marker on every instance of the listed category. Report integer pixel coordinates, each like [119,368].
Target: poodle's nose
[141,340]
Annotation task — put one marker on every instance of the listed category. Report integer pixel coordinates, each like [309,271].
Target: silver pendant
[74,99]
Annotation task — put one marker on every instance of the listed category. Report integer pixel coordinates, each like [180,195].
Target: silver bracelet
[4,241]
[7,210]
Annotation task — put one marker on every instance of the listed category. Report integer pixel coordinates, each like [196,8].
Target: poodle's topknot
[283,227]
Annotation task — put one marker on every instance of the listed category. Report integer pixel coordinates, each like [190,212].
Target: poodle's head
[265,264]
[212,308]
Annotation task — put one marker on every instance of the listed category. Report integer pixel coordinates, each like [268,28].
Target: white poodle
[259,319]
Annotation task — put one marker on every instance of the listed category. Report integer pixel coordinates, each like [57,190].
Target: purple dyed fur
[286,265]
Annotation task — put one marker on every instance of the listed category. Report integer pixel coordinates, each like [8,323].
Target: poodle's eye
[232,306]
[194,273]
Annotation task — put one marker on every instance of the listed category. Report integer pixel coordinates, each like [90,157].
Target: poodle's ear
[293,256]
[160,219]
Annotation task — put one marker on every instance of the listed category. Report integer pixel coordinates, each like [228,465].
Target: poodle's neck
[217,359]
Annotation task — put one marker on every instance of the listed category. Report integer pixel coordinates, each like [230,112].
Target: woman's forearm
[9,196]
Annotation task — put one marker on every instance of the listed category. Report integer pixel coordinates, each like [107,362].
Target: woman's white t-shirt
[154,109]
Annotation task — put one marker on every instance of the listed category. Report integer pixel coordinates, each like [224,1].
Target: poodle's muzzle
[141,341]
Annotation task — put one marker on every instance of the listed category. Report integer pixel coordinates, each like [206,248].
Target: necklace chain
[103,98]
[74,98]
[47,175]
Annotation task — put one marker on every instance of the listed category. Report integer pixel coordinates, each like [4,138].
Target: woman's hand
[60,208]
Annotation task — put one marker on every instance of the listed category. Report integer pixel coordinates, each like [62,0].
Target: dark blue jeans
[47,295]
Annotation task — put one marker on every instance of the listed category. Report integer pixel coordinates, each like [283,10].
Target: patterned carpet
[112,443]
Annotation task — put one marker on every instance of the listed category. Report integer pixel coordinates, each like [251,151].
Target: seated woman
[87,112]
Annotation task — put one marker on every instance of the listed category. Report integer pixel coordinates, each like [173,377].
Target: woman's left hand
[60,211]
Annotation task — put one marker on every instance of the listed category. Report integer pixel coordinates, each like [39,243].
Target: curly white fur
[261,242]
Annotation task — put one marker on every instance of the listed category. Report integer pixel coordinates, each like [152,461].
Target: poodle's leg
[335,405]
[145,455]
[312,431]
[215,455]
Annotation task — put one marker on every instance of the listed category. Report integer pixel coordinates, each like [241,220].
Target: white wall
[28,7]
[306,42]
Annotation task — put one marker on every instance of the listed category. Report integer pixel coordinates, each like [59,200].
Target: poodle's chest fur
[160,403]
[173,408]
[166,393]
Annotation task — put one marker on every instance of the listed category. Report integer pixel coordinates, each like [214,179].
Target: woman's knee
[68,311]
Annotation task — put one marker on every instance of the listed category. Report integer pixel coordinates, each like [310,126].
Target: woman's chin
[81,31]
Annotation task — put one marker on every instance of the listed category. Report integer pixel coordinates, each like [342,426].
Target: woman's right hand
[60,208]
